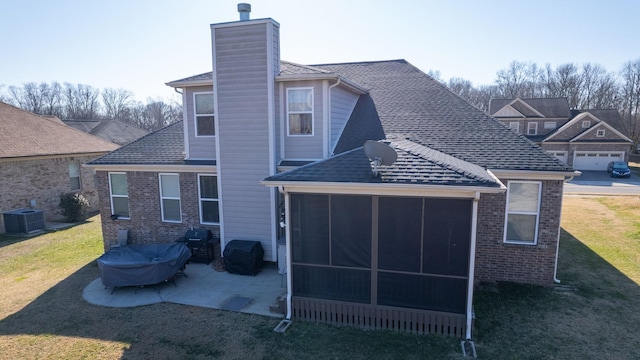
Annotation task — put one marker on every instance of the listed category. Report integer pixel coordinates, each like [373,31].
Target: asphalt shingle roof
[410,102]
[25,134]
[416,164]
[163,147]
[549,107]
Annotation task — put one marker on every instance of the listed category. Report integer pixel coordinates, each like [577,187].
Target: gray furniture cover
[138,264]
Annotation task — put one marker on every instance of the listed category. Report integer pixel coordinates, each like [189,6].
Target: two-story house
[584,139]
[274,151]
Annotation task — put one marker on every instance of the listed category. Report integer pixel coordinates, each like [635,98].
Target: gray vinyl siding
[243,81]
[342,104]
[199,147]
[305,147]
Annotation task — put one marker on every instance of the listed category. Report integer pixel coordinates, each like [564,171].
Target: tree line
[586,86]
[83,102]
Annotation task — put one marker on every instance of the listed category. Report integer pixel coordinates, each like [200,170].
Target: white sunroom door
[595,160]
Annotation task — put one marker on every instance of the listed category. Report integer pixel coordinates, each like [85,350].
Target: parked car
[619,169]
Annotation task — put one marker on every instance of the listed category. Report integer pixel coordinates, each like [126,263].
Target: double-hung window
[523,212]
[532,128]
[515,126]
[208,198]
[119,195]
[170,197]
[300,111]
[204,118]
[74,175]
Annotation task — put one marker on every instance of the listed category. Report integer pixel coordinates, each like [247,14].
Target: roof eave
[305,77]
[382,188]
[188,83]
[534,175]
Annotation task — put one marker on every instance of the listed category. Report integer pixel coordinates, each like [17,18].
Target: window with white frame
[523,211]
[300,111]
[600,133]
[532,128]
[170,197]
[119,194]
[515,126]
[208,198]
[549,125]
[74,175]
[203,110]
[586,123]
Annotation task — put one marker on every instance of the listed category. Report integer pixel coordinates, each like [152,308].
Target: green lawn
[593,315]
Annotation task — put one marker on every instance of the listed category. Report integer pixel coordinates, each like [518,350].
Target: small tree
[74,207]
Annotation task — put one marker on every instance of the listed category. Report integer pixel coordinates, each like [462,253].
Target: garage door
[594,160]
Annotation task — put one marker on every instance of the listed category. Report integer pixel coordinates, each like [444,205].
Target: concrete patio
[203,286]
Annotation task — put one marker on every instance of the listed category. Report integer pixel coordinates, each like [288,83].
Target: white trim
[552,125]
[162,198]
[155,168]
[527,105]
[306,77]
[79,175]
[195,115]
[472,264]
[534,175]
[601,132]
[245,22]
[185,125]
[569,124]
[312,112]
[534,128]
[586,124]
[411,190]
[287,211]
[537,214]
[516,128]
[111,195]
[201,199]
[326,115]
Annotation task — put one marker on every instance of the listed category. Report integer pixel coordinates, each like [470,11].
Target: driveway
[600,183]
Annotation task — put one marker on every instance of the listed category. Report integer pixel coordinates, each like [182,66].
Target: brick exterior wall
[533,264]
[43,180]
[145,225]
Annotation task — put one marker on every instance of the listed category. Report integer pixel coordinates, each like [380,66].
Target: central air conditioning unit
[23,221]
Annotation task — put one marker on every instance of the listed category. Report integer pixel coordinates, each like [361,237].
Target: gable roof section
[416,165]
[610,116]
[162,147]
[536,107]
[598,126]
[24,134]
[590,115]
[411,103]
[363,124]
[113,130]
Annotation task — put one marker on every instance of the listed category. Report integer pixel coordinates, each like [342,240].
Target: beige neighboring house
[112,130]
[584,139]
[41,158]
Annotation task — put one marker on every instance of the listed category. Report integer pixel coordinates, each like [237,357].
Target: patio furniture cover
[142,264]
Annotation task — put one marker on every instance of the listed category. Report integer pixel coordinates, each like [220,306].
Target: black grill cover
[243,257]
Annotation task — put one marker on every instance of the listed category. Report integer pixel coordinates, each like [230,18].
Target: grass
[43,315]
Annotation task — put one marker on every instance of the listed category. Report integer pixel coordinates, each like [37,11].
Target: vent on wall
[23,221]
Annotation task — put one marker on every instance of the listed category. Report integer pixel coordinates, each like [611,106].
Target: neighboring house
[584,139]
[112,130]
[273,151]
[41,158]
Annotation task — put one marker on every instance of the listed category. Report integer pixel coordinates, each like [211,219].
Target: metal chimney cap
[244,9]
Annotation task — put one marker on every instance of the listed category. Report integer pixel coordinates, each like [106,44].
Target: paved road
[600,183]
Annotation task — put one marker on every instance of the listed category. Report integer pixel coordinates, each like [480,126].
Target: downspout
[472,265]
[330,150]
[287,248]
[555,267]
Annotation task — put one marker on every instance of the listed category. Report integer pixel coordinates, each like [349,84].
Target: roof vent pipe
[244,9]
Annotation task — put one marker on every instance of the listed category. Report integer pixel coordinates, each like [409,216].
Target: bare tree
[599,88]
[630,92]
[519,79]
[115,102]
[81,101]
[562,82]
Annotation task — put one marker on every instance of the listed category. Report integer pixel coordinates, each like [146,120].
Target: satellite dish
[380,154]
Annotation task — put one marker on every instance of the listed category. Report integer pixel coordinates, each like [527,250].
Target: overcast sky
[139,45]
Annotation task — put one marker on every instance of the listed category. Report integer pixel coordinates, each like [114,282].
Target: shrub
[74,207]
